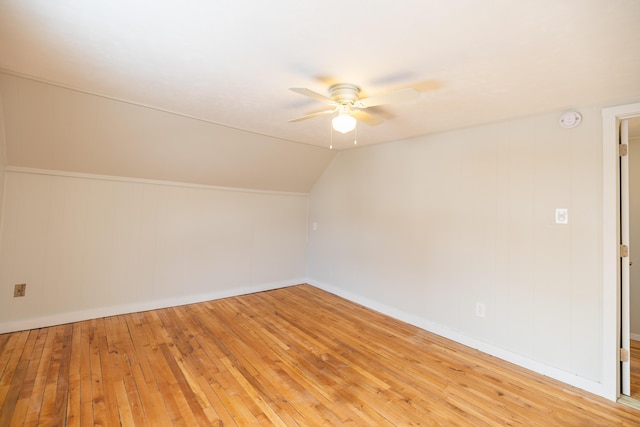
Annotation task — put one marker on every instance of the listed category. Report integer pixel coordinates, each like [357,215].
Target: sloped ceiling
[231,62]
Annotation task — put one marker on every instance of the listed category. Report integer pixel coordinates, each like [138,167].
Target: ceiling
[232,62]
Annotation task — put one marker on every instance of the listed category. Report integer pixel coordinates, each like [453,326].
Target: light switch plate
[562,216]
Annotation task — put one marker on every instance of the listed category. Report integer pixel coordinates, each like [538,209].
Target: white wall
[90,247]
[426,228]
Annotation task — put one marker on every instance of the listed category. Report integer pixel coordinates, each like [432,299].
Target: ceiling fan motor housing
[344,93]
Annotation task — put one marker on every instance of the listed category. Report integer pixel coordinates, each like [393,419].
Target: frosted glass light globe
[344,123]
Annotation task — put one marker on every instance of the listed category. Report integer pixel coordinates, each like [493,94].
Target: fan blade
[366,118]
[387,98]
[312,115]
[311,94]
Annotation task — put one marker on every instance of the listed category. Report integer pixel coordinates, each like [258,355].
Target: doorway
[615,266]
[633,140]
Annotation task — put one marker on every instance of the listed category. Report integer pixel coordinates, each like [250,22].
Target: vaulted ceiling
[232,62]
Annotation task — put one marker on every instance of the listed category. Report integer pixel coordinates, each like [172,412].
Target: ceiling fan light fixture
[344,123]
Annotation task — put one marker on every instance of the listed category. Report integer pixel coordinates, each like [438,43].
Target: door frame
[611,274]
[625,273]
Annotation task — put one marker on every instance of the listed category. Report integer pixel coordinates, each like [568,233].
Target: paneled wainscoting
[292,356]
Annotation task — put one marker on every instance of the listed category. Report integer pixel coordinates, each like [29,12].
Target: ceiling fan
[344,98]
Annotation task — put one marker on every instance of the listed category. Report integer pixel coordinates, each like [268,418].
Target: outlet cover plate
[562,216]
[480,309]
[19,290]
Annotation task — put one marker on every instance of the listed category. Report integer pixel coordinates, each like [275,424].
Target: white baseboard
[94,313]
[586,384]
[635,337]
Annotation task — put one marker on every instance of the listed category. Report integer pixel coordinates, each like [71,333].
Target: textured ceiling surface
[231,62]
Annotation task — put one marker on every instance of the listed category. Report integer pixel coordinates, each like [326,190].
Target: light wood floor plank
[12,405]
[11,361]
[45,365]
[73,402]
[292,356]
[26,388]
[60,403]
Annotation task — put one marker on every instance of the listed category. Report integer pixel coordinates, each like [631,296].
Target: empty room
[306,213]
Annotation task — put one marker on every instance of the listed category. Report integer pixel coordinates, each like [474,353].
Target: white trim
[610,265]
[635,337]
[94,313]
[591,386]
[625,273]
[50,172]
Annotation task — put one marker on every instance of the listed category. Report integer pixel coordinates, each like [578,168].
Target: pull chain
[331,138]
[355,136]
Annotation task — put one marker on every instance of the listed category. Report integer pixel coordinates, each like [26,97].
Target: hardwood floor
[293,356]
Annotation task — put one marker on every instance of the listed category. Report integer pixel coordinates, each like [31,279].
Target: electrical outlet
[480,309]
[19,290]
